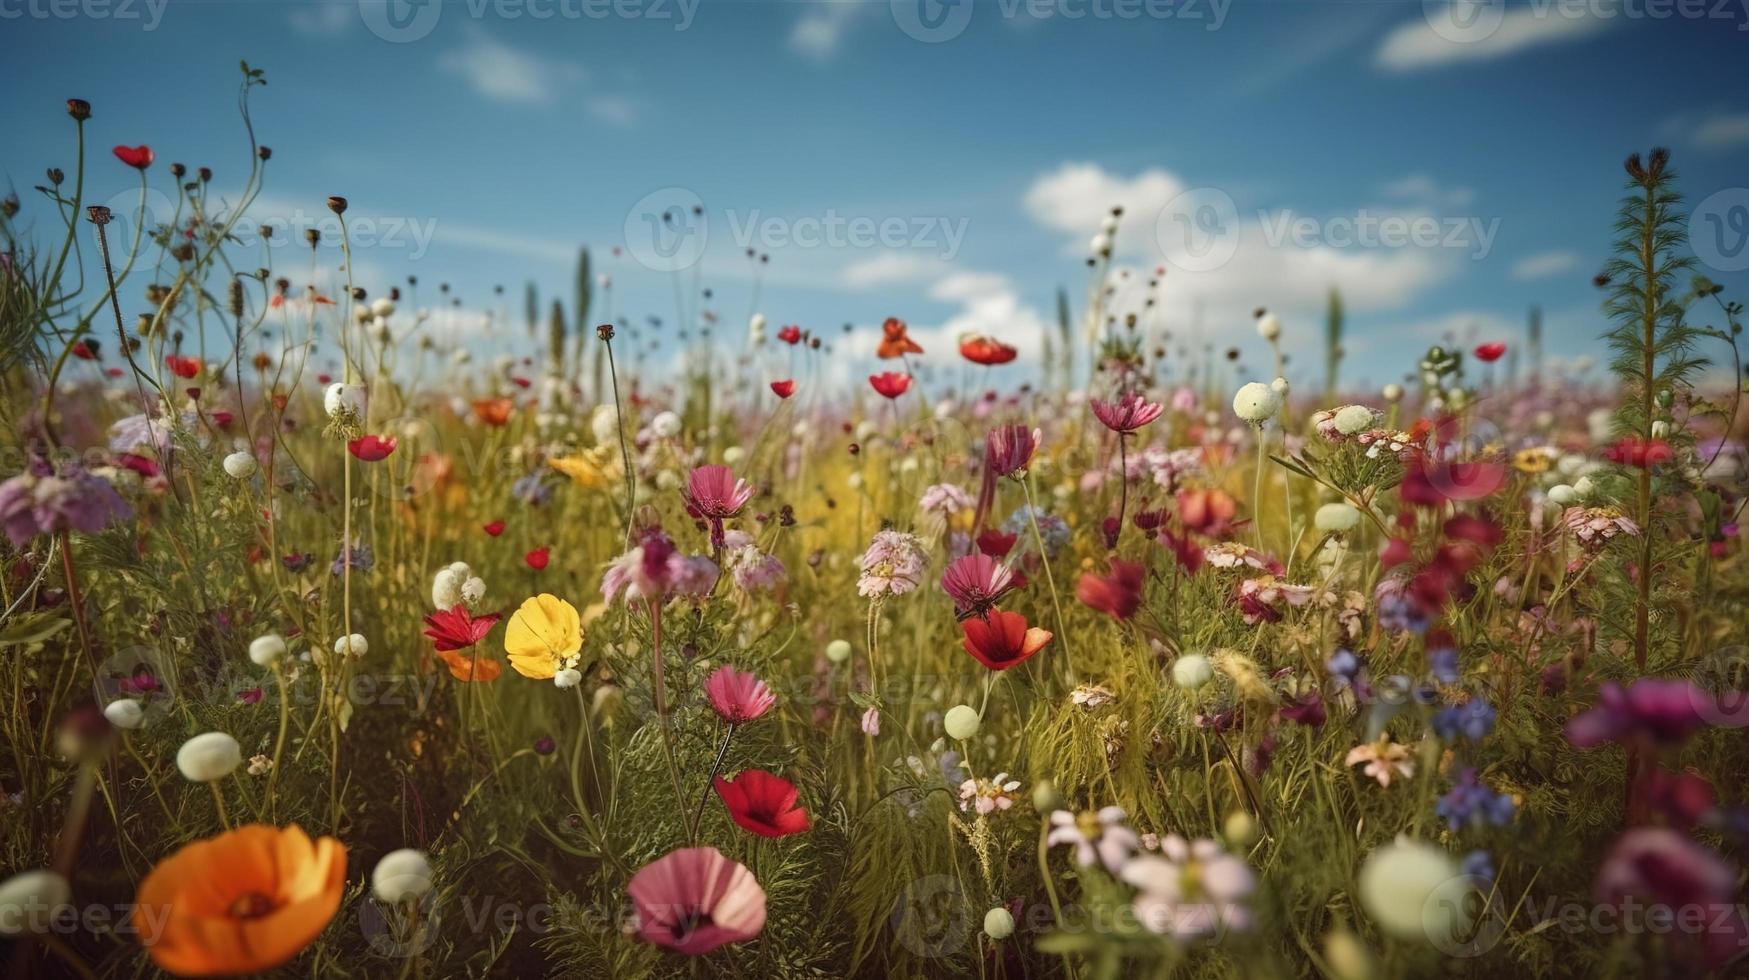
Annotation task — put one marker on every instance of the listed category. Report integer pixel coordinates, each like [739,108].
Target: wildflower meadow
[336,646]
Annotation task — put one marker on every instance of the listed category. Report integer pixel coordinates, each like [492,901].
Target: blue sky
[977,166]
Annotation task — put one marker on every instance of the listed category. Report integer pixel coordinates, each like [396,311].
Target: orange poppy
[245,901]
[895,342]
[494,411]
[987,351]
[463,664]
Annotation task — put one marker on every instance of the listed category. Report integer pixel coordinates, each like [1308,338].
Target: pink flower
[655,570]
[694,899]
[893,565]
[1660,866]
[1384,760]
[713,493]
[1652,708]
[871,722]
[1009,448]
[1127,414]
[975,582]
[739,697]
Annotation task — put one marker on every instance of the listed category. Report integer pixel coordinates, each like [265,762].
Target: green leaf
[32,629]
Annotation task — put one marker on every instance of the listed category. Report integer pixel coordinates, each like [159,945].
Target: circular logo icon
[1718,230]
[1198,231]
[1460,918]
[1720,691]
[1464,21]
[932,21]
[667,229]
[131,214]
[932,917]
[397,932]
[400,21]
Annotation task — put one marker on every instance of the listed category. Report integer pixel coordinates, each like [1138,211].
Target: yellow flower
[588,469]
[1534,460]
[544,634]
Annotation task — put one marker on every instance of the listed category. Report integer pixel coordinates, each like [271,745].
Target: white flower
[1192,671]
[961,722]
[838,651]
[125,713]
[1413,890]
[667,480]
[666,425]
[446,585]
[382,306]
[1660,429]
[266,649]
[400,875]
[1109,224]
[1563,495]
[567,678]
[208,756]
[1256,403]
[29,901]
[1354,419]
[1269,327]
[240,465]
[1100,245]
[733,455]
[1097,837]
[1584,487]
[1393,392]
[341,400]
[473,590]
[1334,518]
[998,923]
[355,645]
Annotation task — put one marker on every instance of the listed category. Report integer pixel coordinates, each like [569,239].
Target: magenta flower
[713,493]
[1009,448]
[1659,709]
[976,582]
[694,899]
[43,501]
[655,570]
[739,697]
[1660,866]
[1127,414]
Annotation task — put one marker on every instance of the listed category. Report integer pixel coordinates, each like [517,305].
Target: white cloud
[818,33]
[1076,197]
[1463,33]
[1543,265]
[969,286]
[1425,190]
[502,73]
[889,268]
[1722,130]
[320,19]
[618,110]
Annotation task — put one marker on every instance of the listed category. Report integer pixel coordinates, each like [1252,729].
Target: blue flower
[1469,803]
[1442,663]
[358,556]
[1479,865]
[1344,666]
[1399,613]
[1473,720]
[1051,528]
[532,490]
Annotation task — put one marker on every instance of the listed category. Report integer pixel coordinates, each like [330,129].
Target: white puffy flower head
[400,875]
[473,590]
[1256,403]
[1563,495]
[240,465]
[998,923]
[1100,245]
[961,722]
[208,756]
[382,306]
[1393,392]
[1334,518]
[567,678]
[125,713]
[1192,671]
[733,455]
[666,425]
[265,650]
[604,424]
[29,902]
[355,646]
[1353,419]
[1269,327]
[1414,890]
[446,585]
[342,400]
[838,651]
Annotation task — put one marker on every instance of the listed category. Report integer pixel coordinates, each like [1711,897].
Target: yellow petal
[541,632]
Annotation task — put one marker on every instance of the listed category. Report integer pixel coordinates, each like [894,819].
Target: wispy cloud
[1714,129]
[323,19]
[890,268]
[1482,30]
[503,73]
[1544,265]
[1423,189]
[818,33]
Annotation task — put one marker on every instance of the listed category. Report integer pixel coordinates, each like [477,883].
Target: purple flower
[1661,866]
[532,490]
[1471,804]
[358,556]
[1652,708]
[1473,720]
[40,501]
[1344,666]
[1308,711]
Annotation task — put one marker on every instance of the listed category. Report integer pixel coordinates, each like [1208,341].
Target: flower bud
[400,875]
[961,722]
[240,465]
[998,923]
[29,901]
[838,651]
[265,651]
[209,756]
[125,713]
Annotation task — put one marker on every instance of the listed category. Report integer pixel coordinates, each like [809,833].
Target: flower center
[251,905]
[687,924]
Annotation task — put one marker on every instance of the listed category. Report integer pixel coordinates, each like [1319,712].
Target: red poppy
[895,342]
[890,384]
[763,804]
[1118,594]
[223,419]
[1003,640]
[1490,352]
[1432,486]
[791,334]
[138,157]
[182,367]
[538,558]
[1185,551]
[996,544]
[85,350]
[113,372]
[784,388]
[454,629]
[520,382]
[494,529]
[324,378]
[1209,512]
[987,351]
[372,448]
[494,411]
[1637,452]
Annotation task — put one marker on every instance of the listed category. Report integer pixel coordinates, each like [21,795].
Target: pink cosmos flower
[1652,708]
[976,582]
[1128,413]
[713,493]
[738,696]
[655,570]
[694,899]
[892,565]
[1009,448]
[1661,867]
